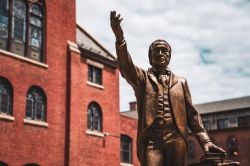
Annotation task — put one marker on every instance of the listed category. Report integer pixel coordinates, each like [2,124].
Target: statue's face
[160,57]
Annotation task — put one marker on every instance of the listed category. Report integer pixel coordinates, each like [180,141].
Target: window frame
[243,121]
[7,85]
[129,140]
[91,118]
[33,91]
[93,69]
[224,124]
[28,15]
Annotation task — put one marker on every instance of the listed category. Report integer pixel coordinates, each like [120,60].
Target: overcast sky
[210,40]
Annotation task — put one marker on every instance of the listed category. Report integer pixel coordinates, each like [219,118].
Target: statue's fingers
[118,16]
[206,148]
[218,149]
[120,20]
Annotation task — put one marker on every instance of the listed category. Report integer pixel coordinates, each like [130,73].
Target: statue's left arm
[195,124]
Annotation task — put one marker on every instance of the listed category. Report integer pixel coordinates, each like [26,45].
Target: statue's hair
[155,43]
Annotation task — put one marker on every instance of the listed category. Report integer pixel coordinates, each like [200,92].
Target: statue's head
[159,54]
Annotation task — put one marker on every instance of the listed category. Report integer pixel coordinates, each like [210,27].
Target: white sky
[210,40]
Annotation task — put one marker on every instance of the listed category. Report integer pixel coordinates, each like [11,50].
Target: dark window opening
[5,97]
[244,121]
[223,123]
[94,117]
[232,146]
[95,75]
[126,149]
[4,23]
[35,104]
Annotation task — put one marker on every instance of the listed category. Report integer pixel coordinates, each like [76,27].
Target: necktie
[163,79]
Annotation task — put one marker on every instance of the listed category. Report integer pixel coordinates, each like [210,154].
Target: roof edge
[95,41]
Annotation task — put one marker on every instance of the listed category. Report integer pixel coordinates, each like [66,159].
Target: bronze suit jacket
[146,89]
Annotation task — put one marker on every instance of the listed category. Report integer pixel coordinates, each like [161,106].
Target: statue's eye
[165,50]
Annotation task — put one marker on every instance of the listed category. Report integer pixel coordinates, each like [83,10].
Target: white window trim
[126,164]
[95,85]
[96,64]
[95,133]
[36,123]
[7,117]
[7,53]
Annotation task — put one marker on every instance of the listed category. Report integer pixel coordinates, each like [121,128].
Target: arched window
[94,117]
[5,96]
[3,163]
[4,23]
[232,146]
[126,149]
[191,149]
[36,104]
[22,27]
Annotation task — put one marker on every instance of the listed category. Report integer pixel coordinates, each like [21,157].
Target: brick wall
[129,128]
[219,137]
[87,149]
[22,143]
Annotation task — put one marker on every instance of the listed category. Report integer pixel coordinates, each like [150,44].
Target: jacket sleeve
[193,118]
[133,74]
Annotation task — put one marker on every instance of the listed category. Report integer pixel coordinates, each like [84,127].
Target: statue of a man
[165,108]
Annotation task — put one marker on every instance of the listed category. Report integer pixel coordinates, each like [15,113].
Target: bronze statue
[165,108]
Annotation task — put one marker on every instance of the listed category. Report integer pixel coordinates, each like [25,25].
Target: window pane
[223,123]
[126,149]
[18,27]
[244,121]
[94,117]
[35,43]
[29,106]
[39,111]
[36,22]
[90,73]
[95,75]
[4,103]
[36,104]
[36,10]
[5,97]
[4,22]
[90,119]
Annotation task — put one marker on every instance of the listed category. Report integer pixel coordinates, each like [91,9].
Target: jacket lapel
[153,78]
[173,80]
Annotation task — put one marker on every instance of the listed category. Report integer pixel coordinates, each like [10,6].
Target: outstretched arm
[129,71]
[196,126]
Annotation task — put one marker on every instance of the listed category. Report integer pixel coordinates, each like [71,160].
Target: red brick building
[59,89]
[228,125]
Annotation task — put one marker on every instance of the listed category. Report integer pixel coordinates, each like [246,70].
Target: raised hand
[115,21]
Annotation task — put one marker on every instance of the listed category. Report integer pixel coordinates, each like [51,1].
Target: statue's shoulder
[181,78]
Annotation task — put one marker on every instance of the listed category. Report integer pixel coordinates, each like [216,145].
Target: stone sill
[95,133]
[95,85]
[126,164]
[7,53]
[7,117]
[36,123]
